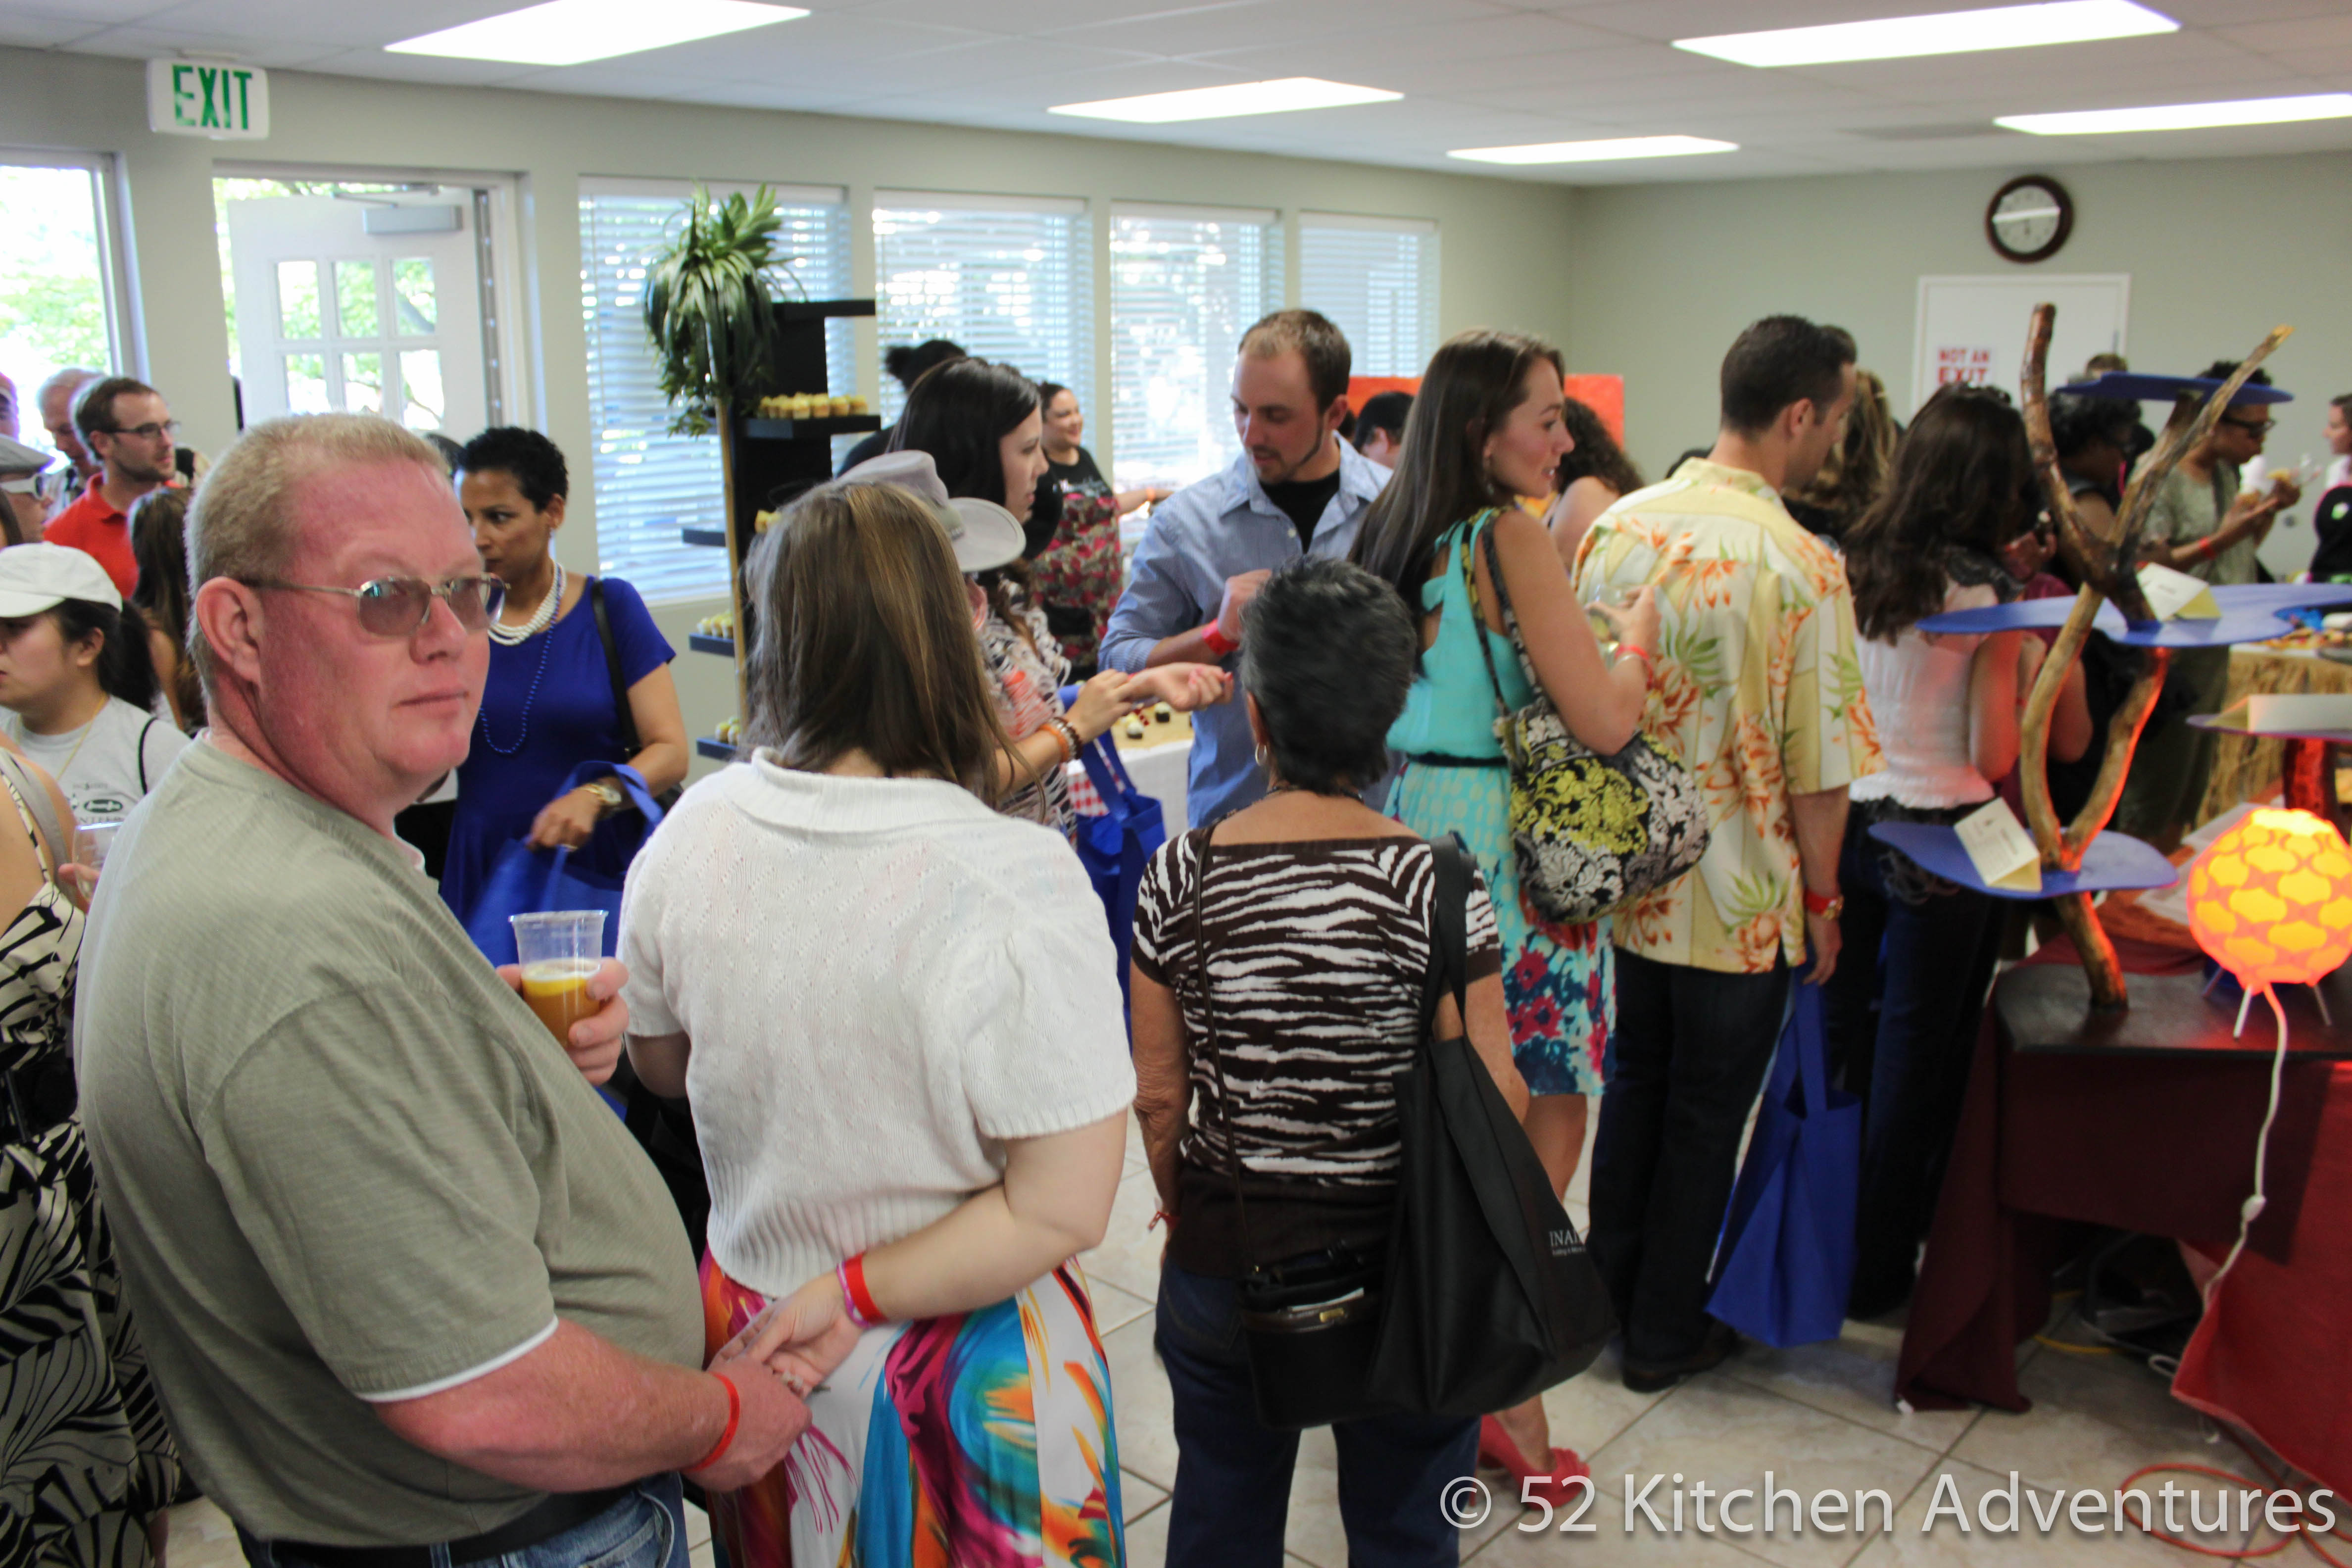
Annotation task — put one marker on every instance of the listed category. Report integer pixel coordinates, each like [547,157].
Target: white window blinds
[647,482]
[1185,284]
[1377,279]
[1008,278]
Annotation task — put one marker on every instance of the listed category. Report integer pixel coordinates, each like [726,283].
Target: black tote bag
[1490,1297]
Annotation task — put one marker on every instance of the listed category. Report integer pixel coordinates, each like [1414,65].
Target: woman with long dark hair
[79,682]
[1594,475]
[159,547]
[1903,1004]
[982,425]
[899,1035]
[1489,425]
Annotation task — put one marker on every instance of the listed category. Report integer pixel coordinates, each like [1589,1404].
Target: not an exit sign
[219,98]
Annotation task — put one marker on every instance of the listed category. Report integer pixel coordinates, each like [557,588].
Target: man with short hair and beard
[1758,691]
[1295,490]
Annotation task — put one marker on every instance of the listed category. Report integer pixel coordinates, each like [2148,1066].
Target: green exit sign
[219,98]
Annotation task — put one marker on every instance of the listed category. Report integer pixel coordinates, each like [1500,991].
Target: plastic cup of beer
[559,952]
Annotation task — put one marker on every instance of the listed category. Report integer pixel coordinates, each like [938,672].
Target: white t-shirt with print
[105,766]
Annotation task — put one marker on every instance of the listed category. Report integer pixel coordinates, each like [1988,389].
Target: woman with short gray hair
[1305,921]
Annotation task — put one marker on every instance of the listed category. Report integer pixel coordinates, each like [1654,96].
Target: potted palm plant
[709,306]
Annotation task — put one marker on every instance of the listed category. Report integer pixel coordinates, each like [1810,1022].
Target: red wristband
[1822,903]
[1635,650]
[863,1310]
[1218,642]
[734,1419]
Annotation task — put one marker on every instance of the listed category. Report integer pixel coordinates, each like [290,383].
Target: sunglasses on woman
[399,606]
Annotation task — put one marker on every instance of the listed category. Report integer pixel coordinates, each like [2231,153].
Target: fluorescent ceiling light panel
[1596,152]
[1279,96]
[573,32]
[2183,116]
[1948,33]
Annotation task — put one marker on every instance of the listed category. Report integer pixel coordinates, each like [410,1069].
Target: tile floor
[1817,1417]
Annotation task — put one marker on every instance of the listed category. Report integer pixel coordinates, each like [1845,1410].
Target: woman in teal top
[1487,425]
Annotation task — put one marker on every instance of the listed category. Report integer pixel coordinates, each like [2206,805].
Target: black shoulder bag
[1310,1323]
[630,743]
[1490,1297]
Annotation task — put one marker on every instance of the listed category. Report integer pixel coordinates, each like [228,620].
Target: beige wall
[1488,227]
[2219,250]
[1648,281]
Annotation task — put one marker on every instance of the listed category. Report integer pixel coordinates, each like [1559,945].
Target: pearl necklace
[540,619]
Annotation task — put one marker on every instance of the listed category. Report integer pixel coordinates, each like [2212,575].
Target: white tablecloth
[1159,772]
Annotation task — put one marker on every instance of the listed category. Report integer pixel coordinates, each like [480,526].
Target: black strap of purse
[1201,849]
[628,719]
[1471,537]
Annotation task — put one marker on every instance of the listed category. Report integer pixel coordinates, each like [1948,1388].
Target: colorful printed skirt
[982,1440]
[1559,980]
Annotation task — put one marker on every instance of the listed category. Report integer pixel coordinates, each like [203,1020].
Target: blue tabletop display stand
[2135,387]
[2114,862]
[2251,612]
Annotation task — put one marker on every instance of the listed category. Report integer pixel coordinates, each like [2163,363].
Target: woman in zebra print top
[90,1464]
[1316,914]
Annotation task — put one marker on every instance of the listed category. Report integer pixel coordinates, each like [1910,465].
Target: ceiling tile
[23,32]
[142,42]
[91,14]
[347,27]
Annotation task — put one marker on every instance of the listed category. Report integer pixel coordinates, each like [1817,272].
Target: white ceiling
[1474,72]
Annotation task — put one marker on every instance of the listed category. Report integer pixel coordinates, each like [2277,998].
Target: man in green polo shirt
[410,1293]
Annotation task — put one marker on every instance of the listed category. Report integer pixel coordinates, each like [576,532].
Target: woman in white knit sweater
[895,1015]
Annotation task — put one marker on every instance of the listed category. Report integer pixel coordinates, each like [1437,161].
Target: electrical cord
[2251,1209]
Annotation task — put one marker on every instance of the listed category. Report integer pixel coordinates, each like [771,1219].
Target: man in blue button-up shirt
[1295,490]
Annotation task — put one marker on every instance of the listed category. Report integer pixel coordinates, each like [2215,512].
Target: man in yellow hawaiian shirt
[1757,690]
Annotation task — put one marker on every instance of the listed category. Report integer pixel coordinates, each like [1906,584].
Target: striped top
[1319,951]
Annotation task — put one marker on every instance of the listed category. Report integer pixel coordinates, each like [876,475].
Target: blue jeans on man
[646,1528]
[1232,1473]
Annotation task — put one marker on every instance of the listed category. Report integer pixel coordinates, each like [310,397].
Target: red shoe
[1556,1487]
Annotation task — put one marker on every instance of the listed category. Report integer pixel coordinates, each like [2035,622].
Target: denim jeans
[1232,1474]
[1902,1015]
[1692,1048]
[646,1529]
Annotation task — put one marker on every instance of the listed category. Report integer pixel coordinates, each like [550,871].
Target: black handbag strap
[628,719]
[1200,839]
[1483,527]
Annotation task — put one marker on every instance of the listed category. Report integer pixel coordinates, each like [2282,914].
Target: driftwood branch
[2108,568]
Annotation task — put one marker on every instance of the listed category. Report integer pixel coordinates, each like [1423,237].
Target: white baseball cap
[36,577]
[985,535]
[18,459]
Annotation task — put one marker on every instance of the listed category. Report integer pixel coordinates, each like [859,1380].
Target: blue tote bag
[1116,846]
[1787,1247]
[524,881]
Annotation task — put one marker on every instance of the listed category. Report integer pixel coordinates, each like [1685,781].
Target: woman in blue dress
[550,706]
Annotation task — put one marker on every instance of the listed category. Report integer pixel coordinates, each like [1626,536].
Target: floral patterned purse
[1592,833]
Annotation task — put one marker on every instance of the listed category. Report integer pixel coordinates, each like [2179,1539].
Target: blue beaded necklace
[546,644]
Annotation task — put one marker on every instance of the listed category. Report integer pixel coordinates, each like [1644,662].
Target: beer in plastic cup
[559,952]
[92,842]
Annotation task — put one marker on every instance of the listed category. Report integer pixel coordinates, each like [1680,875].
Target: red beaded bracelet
[734,1419]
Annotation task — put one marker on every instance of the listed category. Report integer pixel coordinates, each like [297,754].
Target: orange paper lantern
[2272,900]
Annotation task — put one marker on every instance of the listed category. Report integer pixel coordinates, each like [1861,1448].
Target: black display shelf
[715,749]
[703,642]
[821,310]
[714,537]
[806,429]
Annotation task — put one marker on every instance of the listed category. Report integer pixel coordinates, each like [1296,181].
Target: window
[648,481]
[1376,277]
[1009,278]
[1185,284]
[56,307]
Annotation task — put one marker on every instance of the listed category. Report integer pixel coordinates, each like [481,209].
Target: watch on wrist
[1828,906]
[608,795]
